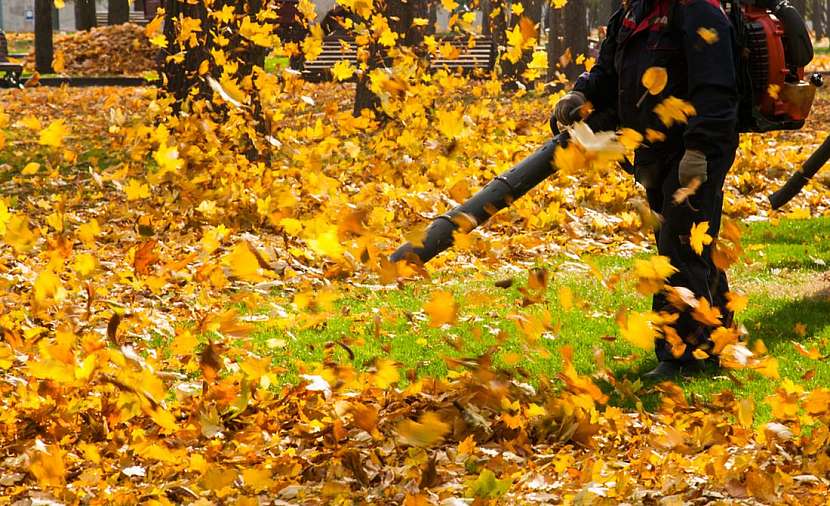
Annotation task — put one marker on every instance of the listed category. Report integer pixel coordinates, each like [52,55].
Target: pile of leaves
[121,49]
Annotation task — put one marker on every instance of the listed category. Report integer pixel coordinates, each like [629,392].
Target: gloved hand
[692,165]
[563,112]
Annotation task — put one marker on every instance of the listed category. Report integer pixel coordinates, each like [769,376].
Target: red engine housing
[777,86]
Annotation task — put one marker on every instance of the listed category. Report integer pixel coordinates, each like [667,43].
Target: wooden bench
[137,17]
[473,54]
[11,72]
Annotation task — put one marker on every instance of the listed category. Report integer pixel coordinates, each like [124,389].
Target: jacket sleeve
[599,84]
[713,88]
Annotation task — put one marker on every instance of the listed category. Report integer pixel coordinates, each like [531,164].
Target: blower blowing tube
[802,176]
[495,196]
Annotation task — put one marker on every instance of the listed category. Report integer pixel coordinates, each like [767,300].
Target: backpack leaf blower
[773,49]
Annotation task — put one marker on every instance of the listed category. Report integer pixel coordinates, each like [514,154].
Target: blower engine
[775,48]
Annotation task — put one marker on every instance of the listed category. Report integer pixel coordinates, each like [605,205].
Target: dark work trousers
[695,272]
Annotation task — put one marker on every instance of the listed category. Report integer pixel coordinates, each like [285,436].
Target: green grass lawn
[275,63]
[784,275]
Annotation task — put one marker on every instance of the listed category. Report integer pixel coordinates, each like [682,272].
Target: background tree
[567,38]
[399,15]
[85,14]
[118,11]
[819,17]
[576,35]
[44,50]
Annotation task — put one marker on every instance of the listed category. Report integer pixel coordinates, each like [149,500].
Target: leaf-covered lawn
[784,275]
[181,325]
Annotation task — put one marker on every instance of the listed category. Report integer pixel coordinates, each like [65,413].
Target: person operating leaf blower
[694,42]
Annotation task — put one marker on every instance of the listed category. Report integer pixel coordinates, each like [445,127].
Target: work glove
[565,110]
[692,165]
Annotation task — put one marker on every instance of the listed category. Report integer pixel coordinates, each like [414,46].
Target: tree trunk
[498,22]
[533,10]
[400,15]
[485,17]
[576,34]
[84,14]
[555,46]
[118,12]
[44,51]
[818,17]
[179,77]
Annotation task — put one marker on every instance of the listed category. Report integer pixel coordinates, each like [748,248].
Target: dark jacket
[702,71]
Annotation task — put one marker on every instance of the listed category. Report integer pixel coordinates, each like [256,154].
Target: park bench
[10,71]
[474,53]
[137,17]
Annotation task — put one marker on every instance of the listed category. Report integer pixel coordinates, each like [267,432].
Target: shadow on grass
[774,326]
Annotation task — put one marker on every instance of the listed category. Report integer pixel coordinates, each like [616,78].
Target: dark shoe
[664,370]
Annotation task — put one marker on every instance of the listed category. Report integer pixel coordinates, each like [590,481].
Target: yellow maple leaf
[5,216]
[327,244]
[449,5]
[30,169]
[441,309]
[243,263]
[388,38]
[60,4]
[674,110]
[85,264]
[709,35]
[655,79]
[768,368]
[343,70]
[450,123]
[707,314]
[159,40]
[651,273]
[257,479]
[58,62]
[467,446]
[30,122]
[88,231]
[46,464]
[630,138]
[54,134]
[386,374]
[427,431]
[47,289]
[136,190]
[700,237]
[154,26]
[639,330]
[566,298]
[448,51]
[737,302]
[167,157]
[570,159]
[654,135]
[18,234]
[745,412]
